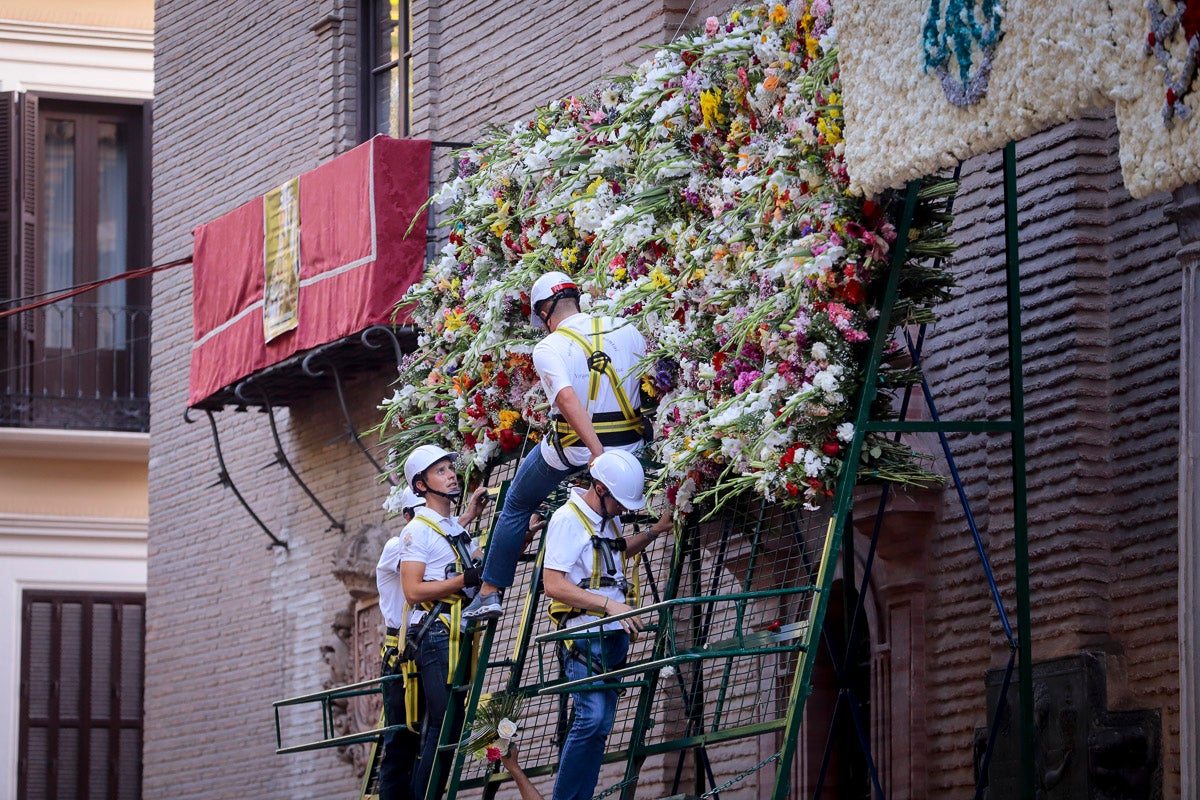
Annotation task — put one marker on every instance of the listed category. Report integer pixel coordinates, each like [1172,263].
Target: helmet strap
[430,490]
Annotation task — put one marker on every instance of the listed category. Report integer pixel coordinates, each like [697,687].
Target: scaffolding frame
[686,605]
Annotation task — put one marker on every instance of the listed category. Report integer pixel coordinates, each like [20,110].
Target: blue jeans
[595,710]
[433,665]
[534,482]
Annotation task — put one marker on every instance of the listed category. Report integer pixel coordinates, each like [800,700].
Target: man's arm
[639,542]
[520,779]
[419,590]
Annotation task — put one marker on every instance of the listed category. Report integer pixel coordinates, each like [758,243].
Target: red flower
[493,754]
[793,489]
[509,441]
[719,360]
[502,380]
[855,292]
[831,448]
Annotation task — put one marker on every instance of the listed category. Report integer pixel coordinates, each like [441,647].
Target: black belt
[607,582]
[392,631]
[609,438]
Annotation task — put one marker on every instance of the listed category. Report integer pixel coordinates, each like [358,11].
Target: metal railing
[76,365]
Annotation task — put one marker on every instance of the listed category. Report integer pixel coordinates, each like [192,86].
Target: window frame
[371,72]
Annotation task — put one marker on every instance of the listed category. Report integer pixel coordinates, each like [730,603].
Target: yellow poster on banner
[281,292]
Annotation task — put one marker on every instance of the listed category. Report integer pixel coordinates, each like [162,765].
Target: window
[81,200]
[386,67]
[81,696]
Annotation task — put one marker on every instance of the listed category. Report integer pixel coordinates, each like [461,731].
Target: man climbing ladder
[436,569]
[588,368]
[585,576]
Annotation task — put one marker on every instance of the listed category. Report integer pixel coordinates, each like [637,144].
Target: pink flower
[745,380]
[711,26]
[493,754]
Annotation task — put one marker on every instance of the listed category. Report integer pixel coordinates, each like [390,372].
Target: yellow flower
[659,278]
[835,101]
[830,130]
[648,387]
[619,273]
[570,255]
[779,14]
[507,419]
[710,107]
[455,319]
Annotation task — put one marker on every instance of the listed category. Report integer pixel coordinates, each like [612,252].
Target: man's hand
[536,523]
[475,504]
[630,624]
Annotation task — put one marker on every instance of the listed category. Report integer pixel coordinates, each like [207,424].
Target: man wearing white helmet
[400,747]
[584,574]
[587,365]
[437,567]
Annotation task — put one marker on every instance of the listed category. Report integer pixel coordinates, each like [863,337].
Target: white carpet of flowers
[705,198]
[1056,60]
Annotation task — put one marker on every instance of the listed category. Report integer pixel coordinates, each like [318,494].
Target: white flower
[506,729]
[845,431]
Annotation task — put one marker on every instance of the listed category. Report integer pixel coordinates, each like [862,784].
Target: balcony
[76,365]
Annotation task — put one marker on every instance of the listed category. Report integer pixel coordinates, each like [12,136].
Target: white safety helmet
[422,459]
[622,473]
[410,500]
[550,285]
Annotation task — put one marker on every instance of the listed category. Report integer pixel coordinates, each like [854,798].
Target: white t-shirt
[569,549]
[423,544]
[560,362]
[387,580]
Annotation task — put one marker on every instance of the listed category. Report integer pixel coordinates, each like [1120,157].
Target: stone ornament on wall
[924,88]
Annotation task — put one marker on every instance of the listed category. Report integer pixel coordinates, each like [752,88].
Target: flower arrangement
[705,198]
[495,726]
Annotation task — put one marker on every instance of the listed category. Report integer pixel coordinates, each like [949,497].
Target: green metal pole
[1020,517]
[841,507]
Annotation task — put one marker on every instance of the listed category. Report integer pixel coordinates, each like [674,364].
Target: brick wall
[1100,306]
[248,96]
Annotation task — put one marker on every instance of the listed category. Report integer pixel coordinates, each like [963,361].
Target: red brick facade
[249,96]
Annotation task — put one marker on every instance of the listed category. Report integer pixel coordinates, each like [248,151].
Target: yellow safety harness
[602,563]
[612,428]
[449,611]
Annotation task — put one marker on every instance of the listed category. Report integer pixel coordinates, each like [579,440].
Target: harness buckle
[599,361]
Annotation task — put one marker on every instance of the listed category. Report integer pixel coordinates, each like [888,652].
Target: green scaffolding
[733,608]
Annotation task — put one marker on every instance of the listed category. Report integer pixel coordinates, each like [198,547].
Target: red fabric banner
[356,261]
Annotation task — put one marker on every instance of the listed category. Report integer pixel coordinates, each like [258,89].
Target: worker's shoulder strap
[600,362]
[457,543]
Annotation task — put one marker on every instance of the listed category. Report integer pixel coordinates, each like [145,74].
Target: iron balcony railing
[76,365]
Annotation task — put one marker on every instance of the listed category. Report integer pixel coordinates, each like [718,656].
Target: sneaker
[483,607]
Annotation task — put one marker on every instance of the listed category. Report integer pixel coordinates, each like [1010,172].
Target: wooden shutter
[8,194]
[82,678]
[26,281]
